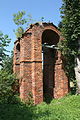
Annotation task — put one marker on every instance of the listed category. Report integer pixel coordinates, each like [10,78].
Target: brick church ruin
[38,63]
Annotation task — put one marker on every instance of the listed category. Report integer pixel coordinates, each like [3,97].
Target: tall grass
[67,108]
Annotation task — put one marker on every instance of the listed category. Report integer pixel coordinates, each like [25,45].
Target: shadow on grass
[22,111]
[48,98]
[16,112]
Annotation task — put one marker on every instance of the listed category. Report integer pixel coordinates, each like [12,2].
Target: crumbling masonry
[38,63]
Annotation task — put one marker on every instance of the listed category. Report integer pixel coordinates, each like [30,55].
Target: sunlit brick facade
[39,74]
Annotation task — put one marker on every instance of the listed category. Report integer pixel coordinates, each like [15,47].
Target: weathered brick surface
[28,64]
[61,81]
[37,83]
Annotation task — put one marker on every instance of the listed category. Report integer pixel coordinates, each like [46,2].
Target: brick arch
[50,38]
[31,74]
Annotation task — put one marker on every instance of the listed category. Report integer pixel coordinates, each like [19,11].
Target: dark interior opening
[18,47]
[17,87]
[18,53]
[49,38]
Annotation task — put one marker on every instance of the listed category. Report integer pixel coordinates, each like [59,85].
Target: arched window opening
[18,53]
[18,47]
[49,43]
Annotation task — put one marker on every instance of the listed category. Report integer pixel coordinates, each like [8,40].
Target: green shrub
[17,111]
[7,89]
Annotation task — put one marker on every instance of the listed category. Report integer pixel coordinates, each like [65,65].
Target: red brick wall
[29,65]
[61,81]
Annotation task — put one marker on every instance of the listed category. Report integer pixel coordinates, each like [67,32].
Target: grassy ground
[67,108]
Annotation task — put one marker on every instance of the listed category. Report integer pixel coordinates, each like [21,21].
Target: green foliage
[67,108]
[19,32]
[8,87]
[20,20]
[8,64]
[17,111]
[4,42]
[70,11]
[29,99]
[60,25]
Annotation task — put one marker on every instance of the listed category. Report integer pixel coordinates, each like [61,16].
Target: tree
[8,87]
[8,81]
[70,47]
[60,25]
[20,20]
[8,63]
[4,42]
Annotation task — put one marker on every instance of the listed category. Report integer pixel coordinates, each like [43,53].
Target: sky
[49,9]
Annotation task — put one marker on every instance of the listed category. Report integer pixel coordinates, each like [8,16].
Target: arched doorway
[49,42]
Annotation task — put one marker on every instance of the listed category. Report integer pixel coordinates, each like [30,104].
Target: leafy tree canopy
[70,14]
[20,20]
[71,25]
[8,63]
[4,42]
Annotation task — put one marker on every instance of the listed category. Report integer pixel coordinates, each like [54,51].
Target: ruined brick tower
[40,69]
